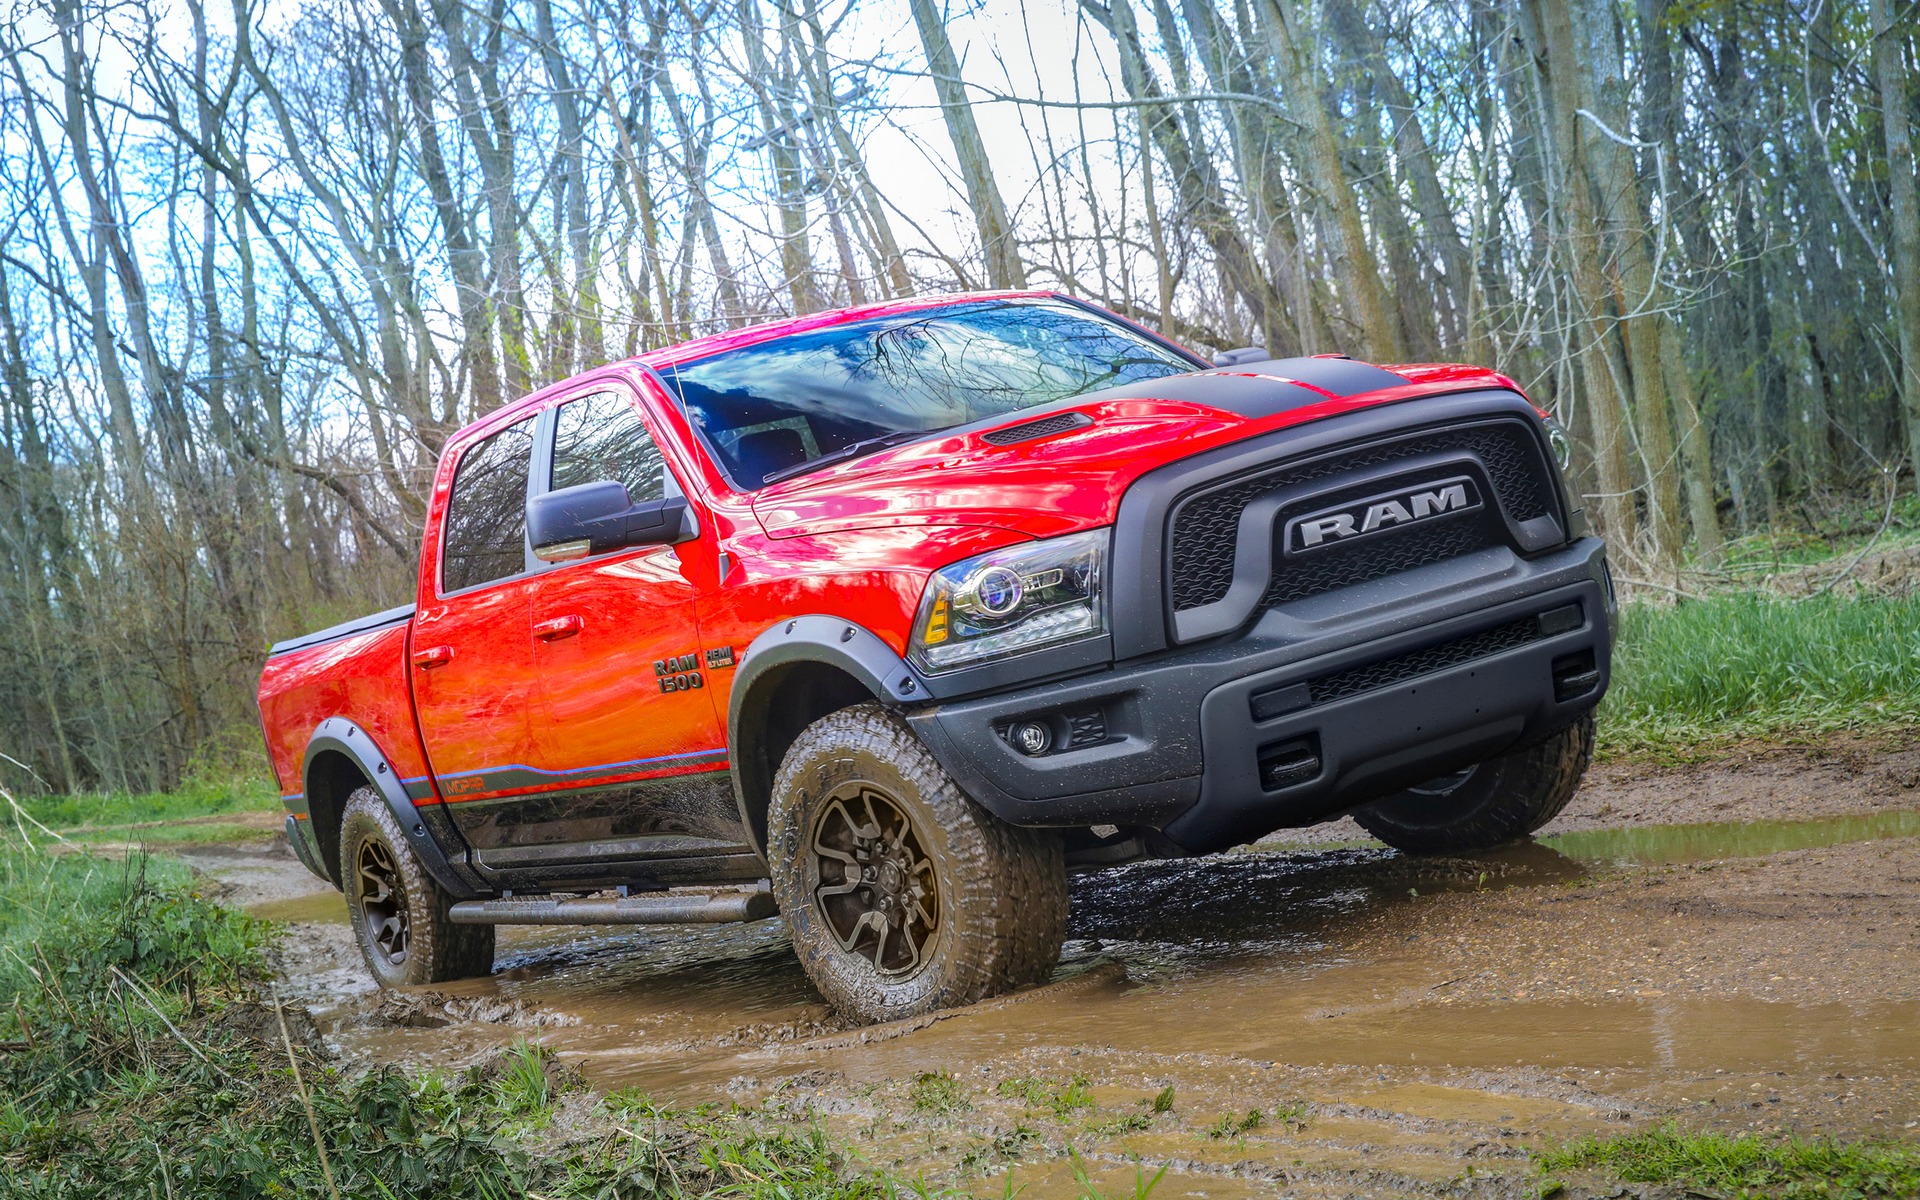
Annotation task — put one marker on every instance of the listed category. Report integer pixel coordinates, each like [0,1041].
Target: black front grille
[1386,672]
[1378,557]
[1206,527]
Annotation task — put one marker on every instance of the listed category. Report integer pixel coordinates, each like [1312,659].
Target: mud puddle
[1659,845]
[1341,1022]
[328,908]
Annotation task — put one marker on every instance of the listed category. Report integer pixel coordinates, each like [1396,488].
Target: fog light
[1031,738]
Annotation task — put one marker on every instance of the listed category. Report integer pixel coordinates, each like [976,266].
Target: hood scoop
[1027,431]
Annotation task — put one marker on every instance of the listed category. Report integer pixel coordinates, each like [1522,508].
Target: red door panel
[473,671]
[619,769]
[470,660]
[602,715]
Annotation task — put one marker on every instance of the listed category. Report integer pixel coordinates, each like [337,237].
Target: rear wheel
[399,913]
[902,895]
[1487,804]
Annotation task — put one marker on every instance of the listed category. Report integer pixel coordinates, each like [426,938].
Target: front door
[624,737]
[472,664]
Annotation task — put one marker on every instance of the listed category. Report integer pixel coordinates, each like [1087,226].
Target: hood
[1063,467]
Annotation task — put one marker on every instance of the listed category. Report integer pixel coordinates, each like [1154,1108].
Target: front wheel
[399,913]
[902,895]
[1487,804]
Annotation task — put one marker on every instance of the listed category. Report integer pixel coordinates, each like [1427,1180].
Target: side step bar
[617,910]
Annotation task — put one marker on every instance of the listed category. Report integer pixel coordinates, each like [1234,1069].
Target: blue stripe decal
[601,769]
[518,777]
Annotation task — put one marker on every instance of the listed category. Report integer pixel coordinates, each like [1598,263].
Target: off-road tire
[1001,891]
[435,950]
[1494,802]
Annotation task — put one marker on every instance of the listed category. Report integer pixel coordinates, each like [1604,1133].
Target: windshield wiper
[864,446]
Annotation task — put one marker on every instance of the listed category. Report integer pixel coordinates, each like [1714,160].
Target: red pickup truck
[885,619]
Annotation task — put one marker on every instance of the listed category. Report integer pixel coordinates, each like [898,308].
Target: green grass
[141,1057]
[937,1093]
[1232,1126]
[1746,665]
[149,817]
[1745,1166]
[1062,1100]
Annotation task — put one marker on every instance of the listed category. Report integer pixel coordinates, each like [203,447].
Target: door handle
[558,627]
[433,656]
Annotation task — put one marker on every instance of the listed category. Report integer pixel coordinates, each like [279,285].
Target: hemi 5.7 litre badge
[1378,514]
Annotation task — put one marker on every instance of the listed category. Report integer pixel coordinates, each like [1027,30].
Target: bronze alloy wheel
[877,890]
[402,918]
[383,901]
[901,894]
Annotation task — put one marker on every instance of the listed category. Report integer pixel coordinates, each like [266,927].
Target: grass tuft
[1745,1166]
[937,1093]
[1231,1126]
[1062,1101]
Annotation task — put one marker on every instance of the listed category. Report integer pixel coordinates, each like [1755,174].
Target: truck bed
[357,668]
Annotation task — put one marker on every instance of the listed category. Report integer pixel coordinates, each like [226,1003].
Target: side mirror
[594,518]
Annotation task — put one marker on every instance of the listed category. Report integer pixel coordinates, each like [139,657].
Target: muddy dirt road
[1732,944]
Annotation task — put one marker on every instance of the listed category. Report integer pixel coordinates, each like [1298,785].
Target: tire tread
[1512,797]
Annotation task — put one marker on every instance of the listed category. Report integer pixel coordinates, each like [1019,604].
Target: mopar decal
[1377,514]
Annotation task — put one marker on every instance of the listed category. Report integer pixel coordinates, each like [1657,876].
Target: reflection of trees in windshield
[924,371]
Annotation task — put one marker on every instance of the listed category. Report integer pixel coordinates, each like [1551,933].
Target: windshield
[768,409]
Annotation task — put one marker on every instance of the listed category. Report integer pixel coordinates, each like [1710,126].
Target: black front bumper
[1340,701]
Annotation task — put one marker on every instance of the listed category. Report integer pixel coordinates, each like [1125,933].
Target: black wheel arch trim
[815,639]
[338,735]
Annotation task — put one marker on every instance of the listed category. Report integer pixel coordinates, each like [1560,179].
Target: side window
[487,512]
[602,437]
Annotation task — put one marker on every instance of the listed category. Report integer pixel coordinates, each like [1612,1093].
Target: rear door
[624,735]
[471,658]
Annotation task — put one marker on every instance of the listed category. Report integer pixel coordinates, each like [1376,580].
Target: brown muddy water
[1341,1021]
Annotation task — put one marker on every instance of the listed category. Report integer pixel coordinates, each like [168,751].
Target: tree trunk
[1570,195]
[1439,229]
[1298,59]
[1890,72]
[997,241]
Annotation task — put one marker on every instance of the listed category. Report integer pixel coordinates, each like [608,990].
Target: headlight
[1011,601]
[1562,444]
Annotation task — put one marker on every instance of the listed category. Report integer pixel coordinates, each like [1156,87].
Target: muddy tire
[399,913]
[902,895]
[1488,804]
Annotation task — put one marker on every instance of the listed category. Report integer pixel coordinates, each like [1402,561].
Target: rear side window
[602,437]
[487,513]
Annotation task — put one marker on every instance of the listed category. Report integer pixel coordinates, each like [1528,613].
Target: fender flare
[338,735]
[817,639]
